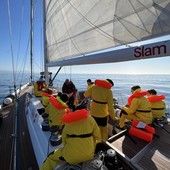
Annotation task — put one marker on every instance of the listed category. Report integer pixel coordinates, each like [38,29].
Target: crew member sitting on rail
[57,108]
[102,104]
[157,103]
[138,108]
[39,87]
[46,97]
[79,137]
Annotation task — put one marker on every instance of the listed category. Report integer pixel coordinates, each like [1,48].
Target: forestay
[80,28]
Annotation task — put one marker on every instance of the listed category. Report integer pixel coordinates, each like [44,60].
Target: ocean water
[121,89]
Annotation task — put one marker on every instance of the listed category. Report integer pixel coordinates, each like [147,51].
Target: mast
[45,43]
[31,40]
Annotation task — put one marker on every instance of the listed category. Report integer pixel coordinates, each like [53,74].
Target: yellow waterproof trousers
[104,132]
[52,160]
[124,117]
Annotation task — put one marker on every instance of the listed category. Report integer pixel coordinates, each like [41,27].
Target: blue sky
[21,52]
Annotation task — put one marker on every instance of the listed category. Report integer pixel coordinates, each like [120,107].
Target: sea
[121,90]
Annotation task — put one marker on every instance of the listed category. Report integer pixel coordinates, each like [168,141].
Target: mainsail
[87,31]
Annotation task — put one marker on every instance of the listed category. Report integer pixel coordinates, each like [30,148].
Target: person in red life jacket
[138,108]
[102,104]
[157,103]
[46,97]
[79,137]
[39,87]
[56,109]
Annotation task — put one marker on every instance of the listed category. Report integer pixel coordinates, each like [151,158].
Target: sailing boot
[45,123]
[55,137]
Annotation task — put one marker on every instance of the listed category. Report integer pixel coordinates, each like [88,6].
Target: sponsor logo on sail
[150,51]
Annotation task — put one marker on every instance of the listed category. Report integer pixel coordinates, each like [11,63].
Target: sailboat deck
[25,157]
[140,154]
[137,153]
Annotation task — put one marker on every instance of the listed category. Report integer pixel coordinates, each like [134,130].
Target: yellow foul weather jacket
[158,105]
[56,110]
[102,104]
[140,107]
[77,149]
[79,140]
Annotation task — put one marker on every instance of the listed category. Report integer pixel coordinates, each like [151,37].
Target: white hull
[39,138]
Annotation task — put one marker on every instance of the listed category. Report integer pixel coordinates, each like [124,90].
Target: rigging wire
[20,31]
[16,150]
[24,62]
[11,46]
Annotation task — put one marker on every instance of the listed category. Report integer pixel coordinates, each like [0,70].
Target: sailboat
[78,32]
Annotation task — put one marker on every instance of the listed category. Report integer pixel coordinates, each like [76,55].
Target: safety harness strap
[99,102]
[80,136]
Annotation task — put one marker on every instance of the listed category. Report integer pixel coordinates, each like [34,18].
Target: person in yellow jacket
[157,103]
[79,137]
[57,108]
[89,84]
[46,97]
[138,107]
[102,104]
[39,87]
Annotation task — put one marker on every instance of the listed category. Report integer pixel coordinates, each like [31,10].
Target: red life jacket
[156,98]
[75,116]
[103,83]
[46,94]
[146,127]
[56,103]
[142,131]
[141,134]
[136,95]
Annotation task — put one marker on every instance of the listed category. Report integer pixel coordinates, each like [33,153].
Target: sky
[19,51]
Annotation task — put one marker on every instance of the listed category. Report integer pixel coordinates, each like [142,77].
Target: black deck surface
[25,159]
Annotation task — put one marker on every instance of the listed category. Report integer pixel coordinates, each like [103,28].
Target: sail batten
[77,28]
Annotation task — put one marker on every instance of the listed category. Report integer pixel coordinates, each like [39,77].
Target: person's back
[77,134]
[57,109]
[142,109]
[101,95]
[102,104]
[39,86]
[46,97]
[79,137]
[157,103]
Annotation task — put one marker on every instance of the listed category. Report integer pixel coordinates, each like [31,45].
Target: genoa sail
[103,31]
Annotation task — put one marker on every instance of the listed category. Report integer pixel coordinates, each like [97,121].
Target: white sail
[78,28]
